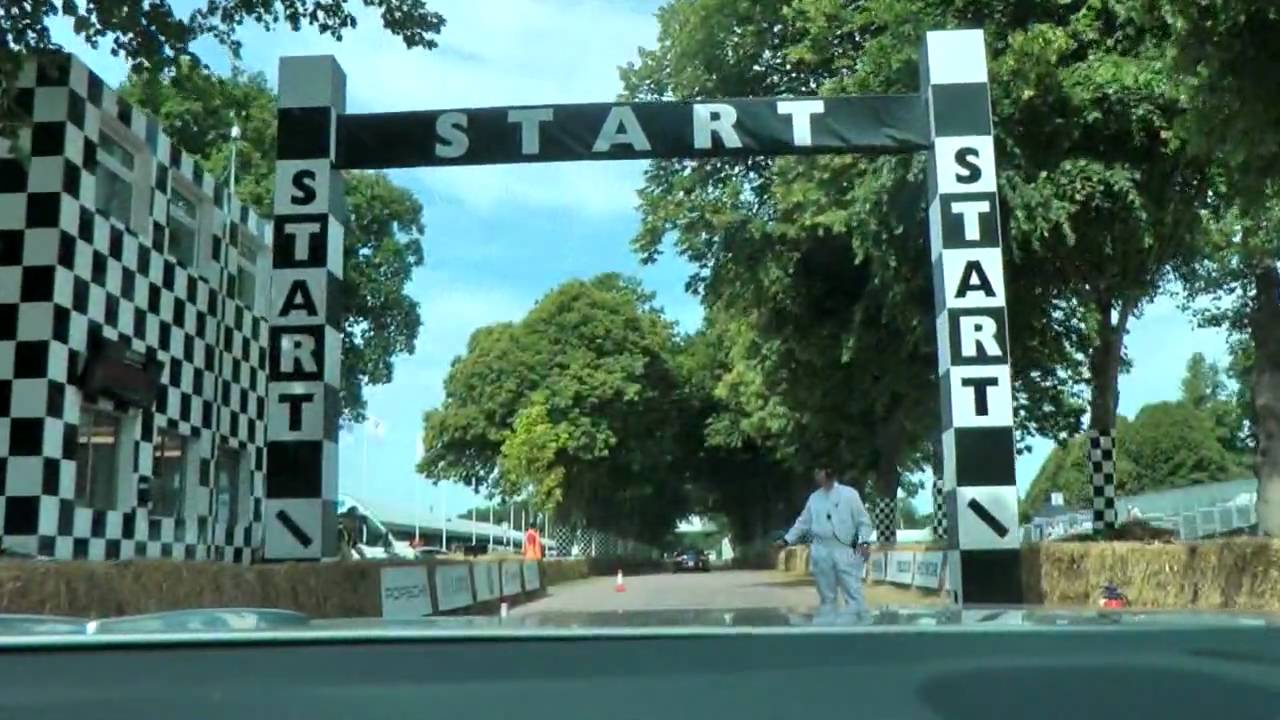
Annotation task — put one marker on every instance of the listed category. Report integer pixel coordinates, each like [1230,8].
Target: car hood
[254,623]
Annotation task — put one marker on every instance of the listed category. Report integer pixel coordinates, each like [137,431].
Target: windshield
[594,306]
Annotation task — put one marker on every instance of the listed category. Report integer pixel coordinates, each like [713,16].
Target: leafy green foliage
[154,36]
[383,239]
[1172,444]
[1220,398]
[815,267]
[576,407]
[1167,445]
[1224,54]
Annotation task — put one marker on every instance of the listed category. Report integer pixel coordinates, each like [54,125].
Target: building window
[169,474]
[115,179]
[97,458]
[247,273]
[230,485]
[184,226]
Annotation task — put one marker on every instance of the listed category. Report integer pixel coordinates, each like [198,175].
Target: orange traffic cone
[619,587]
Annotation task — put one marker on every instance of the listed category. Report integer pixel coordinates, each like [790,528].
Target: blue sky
[500,237]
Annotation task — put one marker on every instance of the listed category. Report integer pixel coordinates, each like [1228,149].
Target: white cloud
[528,52]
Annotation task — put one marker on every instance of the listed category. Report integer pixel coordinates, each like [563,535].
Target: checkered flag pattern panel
[71,274]
[939,510]
[884,517]
[1102,470]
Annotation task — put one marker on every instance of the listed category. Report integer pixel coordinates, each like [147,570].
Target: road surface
[727,589]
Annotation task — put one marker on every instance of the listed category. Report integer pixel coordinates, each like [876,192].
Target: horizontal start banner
[630,131]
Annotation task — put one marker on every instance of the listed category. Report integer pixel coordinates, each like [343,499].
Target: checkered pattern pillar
[1102,468]
[884,517]
[304,363]
[939,496]
[973,349]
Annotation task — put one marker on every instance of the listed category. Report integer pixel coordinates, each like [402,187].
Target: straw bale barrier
[1241,573]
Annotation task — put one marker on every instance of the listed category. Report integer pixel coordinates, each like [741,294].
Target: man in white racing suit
[840,530]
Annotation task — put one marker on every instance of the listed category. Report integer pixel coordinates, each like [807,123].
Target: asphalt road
[719,589]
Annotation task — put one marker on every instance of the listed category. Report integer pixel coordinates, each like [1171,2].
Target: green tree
[1209,389]
[1166,445]
[572,406]
[155,36]
[1223,54]
[1173,444]
[1066,470]
[383,239]
[1097,210]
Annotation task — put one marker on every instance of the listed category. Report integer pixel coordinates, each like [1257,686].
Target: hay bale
[1241,573]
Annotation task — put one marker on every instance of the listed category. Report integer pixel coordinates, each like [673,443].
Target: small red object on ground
[1112,598]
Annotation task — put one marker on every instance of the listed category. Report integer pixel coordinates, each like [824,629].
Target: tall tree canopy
[1224,55]
[383,240]
[824,257]
[154,36]
[576,406]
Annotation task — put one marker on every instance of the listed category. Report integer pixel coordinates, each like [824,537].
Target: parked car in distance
[691,560]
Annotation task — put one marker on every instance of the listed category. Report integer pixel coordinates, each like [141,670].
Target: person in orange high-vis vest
[532,543]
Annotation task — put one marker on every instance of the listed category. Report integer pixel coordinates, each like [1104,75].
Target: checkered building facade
[69,273]
[977,480]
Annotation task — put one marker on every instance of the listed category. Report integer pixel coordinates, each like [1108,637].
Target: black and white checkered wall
[1102,470]
[306,314]
[69,273]
[978,478]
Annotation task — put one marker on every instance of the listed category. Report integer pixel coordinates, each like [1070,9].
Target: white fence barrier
[924,570]
[406,590]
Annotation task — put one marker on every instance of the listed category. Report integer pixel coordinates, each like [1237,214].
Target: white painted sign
[405,593]
[453,586]
[532,581]
[511,577]
[987,517]
[878,561]
[900,568]
[928,572]
[485,575]
[292,528]
[1057,499]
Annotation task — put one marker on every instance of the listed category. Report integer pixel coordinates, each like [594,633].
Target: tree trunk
[1264,330]
[1104,381]
[890,437]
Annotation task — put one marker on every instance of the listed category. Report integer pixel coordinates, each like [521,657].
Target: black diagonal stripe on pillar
[961,109]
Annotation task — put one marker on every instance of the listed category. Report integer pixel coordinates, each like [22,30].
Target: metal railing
[1187,523]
